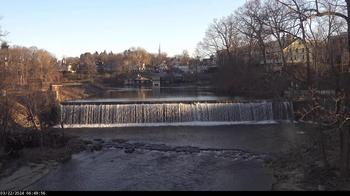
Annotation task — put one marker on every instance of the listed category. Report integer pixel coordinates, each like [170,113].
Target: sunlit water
[118,113]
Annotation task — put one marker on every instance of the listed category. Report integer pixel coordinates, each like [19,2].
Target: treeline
[268,47]
[131,60]
[304,41]
[27,68]
[26,102]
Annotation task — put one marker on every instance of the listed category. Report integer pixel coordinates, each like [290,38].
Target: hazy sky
[72,27]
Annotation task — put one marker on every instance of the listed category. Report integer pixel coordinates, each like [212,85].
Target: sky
[73,27]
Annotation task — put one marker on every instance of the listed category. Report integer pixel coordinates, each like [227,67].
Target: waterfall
[158,114]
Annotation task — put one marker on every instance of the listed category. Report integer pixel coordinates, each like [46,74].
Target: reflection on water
[168,92]
[159,95]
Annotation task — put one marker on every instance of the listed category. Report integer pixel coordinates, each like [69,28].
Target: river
[168,158]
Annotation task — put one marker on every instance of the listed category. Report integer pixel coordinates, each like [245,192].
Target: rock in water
[98,147]
[130,150]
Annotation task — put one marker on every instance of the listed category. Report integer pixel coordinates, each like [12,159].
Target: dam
[172,112]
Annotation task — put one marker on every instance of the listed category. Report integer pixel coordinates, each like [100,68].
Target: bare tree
[88,65]
[139,58]
[185,58]
[335,117]
[5,103]
[6,106]
[47,68]
[39,106]
[338,8]
[278,22]
[2,33]
[251,19]
[30,68]
[325,33]
[299,13]
[135,59]
[222,35]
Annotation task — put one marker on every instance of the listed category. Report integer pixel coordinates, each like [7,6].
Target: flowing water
[104,114]
[156,124]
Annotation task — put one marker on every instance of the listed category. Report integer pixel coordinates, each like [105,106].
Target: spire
[159,50]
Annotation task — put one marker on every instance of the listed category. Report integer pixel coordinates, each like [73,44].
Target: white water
[181,124]
[173,114]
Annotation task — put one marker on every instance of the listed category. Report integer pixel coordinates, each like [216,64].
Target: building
[207,65]
[102,67]
[321,54]
[156,81]
[183,68]
[273,53]
[66,67]
[139,81]
[162,67]
[295,53]
[338,49]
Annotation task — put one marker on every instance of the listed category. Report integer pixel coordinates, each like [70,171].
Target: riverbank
[302,168]
[31,164]
[84,90]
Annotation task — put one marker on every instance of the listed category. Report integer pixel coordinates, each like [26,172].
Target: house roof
[141,78]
